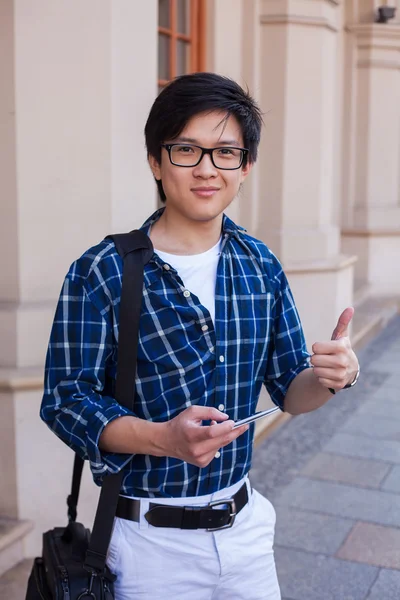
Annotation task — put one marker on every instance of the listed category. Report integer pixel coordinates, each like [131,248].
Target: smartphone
[256,416]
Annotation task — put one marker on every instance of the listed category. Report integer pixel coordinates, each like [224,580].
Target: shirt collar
[228,226]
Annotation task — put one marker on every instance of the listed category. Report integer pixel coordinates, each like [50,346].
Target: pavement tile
[386,587]
[362,447]
[381,427]
[13,583]
[356,471]
[311,532]
[392,483]
[373,545]
[305,576]
[381,408]
[342,500]
[387,364]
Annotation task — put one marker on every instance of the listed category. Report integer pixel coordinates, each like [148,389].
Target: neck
[174,234]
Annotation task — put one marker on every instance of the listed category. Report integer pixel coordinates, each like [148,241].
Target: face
[202,193]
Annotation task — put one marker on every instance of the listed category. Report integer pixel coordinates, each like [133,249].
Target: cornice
[377,30]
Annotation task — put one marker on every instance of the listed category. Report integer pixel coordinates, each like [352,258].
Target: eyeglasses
[187,155]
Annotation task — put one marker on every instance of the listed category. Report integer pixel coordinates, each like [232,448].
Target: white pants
[156,563]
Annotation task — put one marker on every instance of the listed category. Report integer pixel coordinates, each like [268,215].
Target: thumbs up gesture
[335,363]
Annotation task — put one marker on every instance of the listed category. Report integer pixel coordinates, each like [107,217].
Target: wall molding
[338,263]
[370,233]
[378,64]
[21,380]
[298,20]
[374,31]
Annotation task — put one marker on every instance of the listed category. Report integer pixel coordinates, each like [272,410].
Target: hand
[188,439]
[335,364]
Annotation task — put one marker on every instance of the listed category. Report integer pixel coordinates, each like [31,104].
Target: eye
[226,151]
[184,149]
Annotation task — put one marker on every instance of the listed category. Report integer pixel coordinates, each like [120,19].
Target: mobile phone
[258,415]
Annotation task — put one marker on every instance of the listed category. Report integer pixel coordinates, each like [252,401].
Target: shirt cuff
[278,388]
[101,462]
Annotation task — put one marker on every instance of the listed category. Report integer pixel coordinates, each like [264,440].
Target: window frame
[196,38]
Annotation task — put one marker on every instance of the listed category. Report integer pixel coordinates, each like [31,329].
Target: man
[218,320]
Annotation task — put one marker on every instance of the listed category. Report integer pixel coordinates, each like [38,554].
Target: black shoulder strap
[136,250]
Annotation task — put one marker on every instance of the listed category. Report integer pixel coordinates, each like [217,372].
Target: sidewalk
[334,478]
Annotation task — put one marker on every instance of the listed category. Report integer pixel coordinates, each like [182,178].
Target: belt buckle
[232,514]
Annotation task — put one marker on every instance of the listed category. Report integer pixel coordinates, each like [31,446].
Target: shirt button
[166,267]
[186,293]
[221,359]
[217,454]
[221,407]
[204,328]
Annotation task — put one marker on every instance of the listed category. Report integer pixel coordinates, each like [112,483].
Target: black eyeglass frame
[204,151]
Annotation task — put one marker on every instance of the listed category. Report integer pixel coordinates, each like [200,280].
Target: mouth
[205,192]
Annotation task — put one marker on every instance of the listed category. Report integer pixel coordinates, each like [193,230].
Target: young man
[218,320]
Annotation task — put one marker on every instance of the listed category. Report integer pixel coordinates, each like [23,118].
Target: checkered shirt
[257,338]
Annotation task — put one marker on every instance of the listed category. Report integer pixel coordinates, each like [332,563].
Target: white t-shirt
[198,273]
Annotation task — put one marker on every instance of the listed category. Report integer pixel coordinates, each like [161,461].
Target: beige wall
[79,86]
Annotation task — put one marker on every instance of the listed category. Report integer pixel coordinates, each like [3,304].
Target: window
[181,26]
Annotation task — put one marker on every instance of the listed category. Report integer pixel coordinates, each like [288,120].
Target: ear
[155,167]
[246,170]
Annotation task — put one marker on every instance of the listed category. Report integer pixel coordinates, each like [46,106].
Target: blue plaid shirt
[257,339]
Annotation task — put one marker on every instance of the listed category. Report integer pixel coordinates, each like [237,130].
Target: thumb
[342,327]
[208,413]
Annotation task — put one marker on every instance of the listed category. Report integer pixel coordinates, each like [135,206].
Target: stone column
[298,172]
[371,227]
[78,79]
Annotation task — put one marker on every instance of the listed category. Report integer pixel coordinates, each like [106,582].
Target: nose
[205,168]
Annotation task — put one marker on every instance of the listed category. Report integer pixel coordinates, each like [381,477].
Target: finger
[208,413]
[219,431]
[333,361]
[330,348]
[342,327]
[337,375]
[213,423]
[209,454]
[215,443]
[235,433]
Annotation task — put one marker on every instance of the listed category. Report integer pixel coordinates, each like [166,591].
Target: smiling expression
[203,192]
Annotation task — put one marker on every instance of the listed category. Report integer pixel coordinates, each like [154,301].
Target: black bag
[73,562]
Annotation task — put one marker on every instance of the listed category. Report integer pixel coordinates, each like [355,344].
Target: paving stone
[383,552]
[362,447]
[312,532]
[392,482]
[386,587]
[381,427]
[388,364]
[13,583]
[356,471]
[381,407]
[342,500]
[305,576]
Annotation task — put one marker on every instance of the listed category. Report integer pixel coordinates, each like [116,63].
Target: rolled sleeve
[79,375]
[288,355]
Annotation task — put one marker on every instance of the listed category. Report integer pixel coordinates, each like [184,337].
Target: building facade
[78,79]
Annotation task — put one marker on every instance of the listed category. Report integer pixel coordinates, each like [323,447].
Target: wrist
[158,436]
[353,379]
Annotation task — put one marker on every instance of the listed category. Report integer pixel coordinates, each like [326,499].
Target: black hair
[189,95]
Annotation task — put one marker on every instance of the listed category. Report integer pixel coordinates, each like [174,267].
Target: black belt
[187,517]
